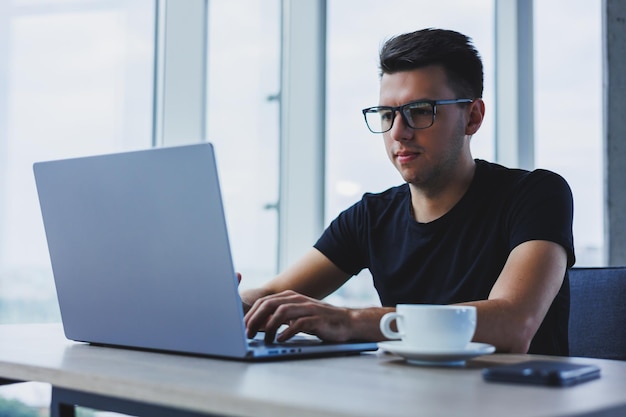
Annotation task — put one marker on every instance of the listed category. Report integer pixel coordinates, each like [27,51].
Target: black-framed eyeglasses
[418,114]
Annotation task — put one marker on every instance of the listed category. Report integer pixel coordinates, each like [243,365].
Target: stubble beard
[435,180]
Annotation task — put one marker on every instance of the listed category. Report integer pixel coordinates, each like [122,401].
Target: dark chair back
[597,323]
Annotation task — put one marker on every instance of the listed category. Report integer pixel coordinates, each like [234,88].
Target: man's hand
[301,314]
[292,299]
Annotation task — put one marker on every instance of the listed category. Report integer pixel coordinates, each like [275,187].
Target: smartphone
[542,373]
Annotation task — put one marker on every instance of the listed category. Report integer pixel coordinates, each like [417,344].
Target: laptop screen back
[140,251]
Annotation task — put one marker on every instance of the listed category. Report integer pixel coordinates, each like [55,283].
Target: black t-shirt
[458,257]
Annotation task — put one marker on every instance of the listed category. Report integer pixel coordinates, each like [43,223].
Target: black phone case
[542,373]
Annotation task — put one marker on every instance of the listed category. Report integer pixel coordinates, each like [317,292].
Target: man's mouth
[406,156]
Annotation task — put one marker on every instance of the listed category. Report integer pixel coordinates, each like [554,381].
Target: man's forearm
[365,323]
[503,326]
[249,296]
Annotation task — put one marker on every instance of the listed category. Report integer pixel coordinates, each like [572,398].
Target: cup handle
[385,323]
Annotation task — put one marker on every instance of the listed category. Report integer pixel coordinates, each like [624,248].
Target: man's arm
[508,319]
[293,295]
[314,276]
[292,298]
[521,297]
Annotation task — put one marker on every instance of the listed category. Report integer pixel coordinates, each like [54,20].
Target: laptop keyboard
[298,340]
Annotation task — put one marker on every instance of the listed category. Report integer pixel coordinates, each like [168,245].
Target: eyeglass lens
[418,115]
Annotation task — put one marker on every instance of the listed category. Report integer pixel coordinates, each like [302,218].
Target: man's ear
[476,115]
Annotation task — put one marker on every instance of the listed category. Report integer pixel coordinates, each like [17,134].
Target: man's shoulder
[493,174]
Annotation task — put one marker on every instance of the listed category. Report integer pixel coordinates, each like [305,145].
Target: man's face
[427,157]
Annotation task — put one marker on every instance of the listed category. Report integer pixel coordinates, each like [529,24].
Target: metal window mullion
[514,83]
[180,72]
[614,130]
[302,130]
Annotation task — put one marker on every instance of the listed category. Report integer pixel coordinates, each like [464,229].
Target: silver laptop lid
[140,251]
[141,257]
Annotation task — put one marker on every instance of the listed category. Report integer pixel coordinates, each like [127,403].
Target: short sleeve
[542,209]
[342,241]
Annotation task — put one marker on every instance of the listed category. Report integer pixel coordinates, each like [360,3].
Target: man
[459,231]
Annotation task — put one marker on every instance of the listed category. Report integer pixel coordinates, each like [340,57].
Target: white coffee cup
[431,327]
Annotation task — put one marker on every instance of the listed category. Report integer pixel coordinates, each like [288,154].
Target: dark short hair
[452,50]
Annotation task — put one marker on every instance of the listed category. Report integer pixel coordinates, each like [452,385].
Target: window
[242,123]
[76,79]
[568,112]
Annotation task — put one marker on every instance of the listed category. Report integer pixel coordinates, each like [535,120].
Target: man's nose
[400,130]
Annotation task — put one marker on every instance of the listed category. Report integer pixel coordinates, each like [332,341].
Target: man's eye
[386,115]
[420,110]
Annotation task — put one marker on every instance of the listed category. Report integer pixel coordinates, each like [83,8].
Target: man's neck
[430,203]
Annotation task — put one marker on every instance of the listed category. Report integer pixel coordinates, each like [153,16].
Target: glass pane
[356,159]
[75,79]
[568,112]
[244,75]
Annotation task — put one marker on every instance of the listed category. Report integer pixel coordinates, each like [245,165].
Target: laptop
[141,257]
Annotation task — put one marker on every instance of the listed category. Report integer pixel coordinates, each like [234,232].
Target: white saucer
[440,357]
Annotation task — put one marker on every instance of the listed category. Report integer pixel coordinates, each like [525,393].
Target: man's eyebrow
[406,102]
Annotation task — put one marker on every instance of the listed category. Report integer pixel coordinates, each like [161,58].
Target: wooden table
[375,384]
